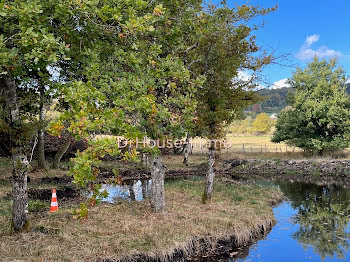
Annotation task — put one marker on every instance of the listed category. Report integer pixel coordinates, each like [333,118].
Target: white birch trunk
[157,193]
[210,175]
[19,158]
[186,150]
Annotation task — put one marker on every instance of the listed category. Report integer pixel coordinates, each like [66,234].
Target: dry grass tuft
[116,230]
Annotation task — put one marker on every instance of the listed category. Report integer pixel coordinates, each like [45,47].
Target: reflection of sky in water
[282,245]
[296,236]
[117,191]
[279,245]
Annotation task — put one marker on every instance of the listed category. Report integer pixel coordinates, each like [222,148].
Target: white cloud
[306,52]
[311,39]
[280,84]
[245,76]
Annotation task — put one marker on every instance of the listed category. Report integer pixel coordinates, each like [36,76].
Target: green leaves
[129,68]
[262,123]
[225,47]
[319,119]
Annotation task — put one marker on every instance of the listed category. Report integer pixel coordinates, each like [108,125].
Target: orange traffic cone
[54,204]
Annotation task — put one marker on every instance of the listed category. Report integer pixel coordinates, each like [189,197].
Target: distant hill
[275,100]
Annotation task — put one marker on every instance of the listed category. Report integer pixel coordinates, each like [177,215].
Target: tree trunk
[144,189]
[131,191]
[186,150]
[19,193]
[41,135]
[157,193]
[19,158]
[210,175]
[145,163]
[57,159]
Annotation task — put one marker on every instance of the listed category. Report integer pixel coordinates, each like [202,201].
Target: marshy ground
[237,215]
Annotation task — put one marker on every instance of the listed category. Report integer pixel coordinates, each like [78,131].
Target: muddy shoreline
[205,249]
[323,172]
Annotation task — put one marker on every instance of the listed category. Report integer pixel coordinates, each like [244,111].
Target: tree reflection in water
[323,217]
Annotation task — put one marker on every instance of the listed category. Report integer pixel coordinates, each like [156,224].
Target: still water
[133,190]
[313,225]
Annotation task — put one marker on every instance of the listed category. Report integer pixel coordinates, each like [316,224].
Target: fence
[247,148]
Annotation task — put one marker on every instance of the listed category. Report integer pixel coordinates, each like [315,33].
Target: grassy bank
[116,230]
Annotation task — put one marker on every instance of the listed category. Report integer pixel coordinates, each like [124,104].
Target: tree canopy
[319,117]
[127,68]
[262,123]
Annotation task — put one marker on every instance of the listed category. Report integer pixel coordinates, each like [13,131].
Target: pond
[135,190]
[313,225]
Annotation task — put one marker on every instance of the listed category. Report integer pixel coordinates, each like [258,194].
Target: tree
[134,84]
[262,123]
[32,37]
[61,151]
[41,131]
[225,45]
[319,119]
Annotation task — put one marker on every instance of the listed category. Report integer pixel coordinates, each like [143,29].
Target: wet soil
[205,249]
[323,172]
[142,174]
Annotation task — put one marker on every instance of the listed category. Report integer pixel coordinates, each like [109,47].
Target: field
[246,144]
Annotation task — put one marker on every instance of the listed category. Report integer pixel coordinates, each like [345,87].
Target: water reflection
[323,217]
[132,190]
[136,190]
[313,225]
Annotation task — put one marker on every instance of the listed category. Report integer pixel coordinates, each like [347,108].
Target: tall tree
[41,131]
[134,83]
[319,117]
[32,37]
[262,123]
[225,45]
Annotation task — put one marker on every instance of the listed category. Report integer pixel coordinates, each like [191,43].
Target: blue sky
[301,29]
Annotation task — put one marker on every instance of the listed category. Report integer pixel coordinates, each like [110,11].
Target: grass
[247,144]
[115,230]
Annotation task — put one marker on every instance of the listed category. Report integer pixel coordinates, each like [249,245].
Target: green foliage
[33,41]
[274,100]
[129,79]
[323,217]
[82,212]
[319,119]
[37,205]
[129,68]
[262,123]
[244,126]
[226,45]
